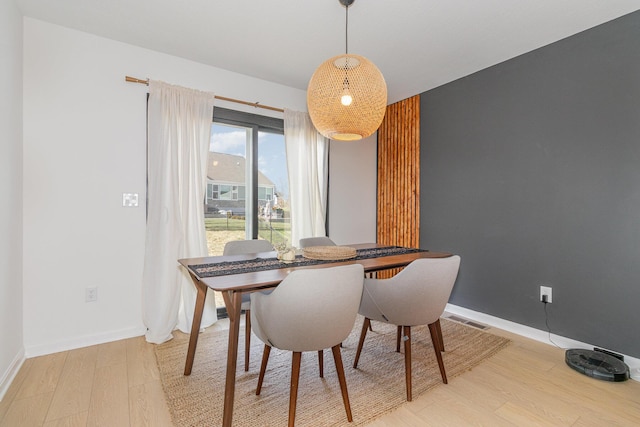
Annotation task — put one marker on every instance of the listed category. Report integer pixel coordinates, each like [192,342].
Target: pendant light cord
[346,30]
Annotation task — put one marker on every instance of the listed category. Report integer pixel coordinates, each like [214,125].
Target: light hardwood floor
[526,384]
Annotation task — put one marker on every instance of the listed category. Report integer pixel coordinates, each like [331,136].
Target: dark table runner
[260,264]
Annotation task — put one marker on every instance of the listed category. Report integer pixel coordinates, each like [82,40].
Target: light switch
[130,200]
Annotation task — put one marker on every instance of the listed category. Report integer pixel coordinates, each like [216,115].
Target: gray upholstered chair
[243,247]
[415,296]
[316,241]
[321,241]
[310,310]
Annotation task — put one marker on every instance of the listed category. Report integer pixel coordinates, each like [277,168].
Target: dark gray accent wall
[530,170]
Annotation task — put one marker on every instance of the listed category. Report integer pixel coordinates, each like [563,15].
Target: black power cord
[546,319]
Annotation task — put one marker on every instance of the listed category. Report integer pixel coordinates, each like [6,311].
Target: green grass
[219,224]
[275,232]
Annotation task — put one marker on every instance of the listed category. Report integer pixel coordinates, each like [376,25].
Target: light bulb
[346,99]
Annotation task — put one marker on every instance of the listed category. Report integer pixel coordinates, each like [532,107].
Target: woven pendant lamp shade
[363,82]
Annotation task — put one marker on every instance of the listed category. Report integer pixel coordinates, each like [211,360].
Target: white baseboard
[83,341]
[11,372]
[536,334]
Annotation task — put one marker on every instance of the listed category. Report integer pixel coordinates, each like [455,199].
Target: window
[247,187]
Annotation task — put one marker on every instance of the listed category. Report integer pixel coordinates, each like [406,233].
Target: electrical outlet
[91,294]
[546,290]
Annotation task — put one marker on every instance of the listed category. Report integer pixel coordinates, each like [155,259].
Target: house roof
[230,168]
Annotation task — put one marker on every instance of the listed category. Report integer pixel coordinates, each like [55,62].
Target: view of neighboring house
[226,188]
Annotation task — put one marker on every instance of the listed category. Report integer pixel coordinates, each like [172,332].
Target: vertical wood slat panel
[398,198]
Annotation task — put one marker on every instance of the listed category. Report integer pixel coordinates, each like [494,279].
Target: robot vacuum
[597,364]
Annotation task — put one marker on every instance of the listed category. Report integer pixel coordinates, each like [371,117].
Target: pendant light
[347,94]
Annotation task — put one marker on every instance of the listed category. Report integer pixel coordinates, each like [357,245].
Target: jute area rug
[375,388]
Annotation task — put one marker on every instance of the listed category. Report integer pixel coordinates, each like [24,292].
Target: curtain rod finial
[135,80]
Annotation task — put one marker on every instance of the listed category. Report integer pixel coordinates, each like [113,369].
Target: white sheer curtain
[179,129]
[307,163]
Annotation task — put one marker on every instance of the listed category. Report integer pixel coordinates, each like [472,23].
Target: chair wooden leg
[407,360]
[321,362]
[440,339]
[433,329]
[247,338]
[293,393]
[337,357]
[398,338]
[363,333]
[263,367]
[370,328]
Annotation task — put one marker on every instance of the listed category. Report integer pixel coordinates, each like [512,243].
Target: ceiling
[417,44]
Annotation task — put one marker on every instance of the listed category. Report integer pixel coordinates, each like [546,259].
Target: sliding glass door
[247,185]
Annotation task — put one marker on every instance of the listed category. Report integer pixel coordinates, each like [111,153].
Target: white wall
[84,145]
[11,347]
[352,195]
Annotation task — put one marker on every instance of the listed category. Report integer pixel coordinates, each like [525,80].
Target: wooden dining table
[233,285]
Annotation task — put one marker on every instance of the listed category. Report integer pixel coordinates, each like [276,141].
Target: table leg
[201,296]
[233,301]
